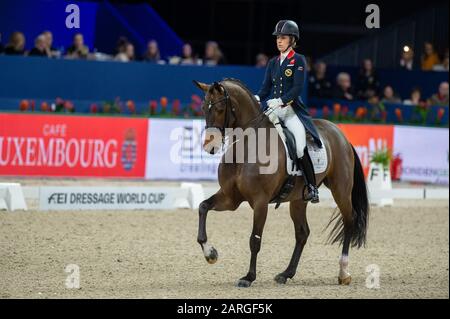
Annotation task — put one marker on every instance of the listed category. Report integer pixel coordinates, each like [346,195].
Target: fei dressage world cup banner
[75,146]
[107,198]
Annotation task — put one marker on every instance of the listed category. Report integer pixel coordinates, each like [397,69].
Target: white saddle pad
[318,155]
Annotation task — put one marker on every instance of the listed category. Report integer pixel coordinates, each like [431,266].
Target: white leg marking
[343,271]
[207,249]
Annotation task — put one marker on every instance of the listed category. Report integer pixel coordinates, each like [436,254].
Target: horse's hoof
[212,257]
[242,283]
[280,279]
[346,281]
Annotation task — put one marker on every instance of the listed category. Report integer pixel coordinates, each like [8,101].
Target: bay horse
[229,104]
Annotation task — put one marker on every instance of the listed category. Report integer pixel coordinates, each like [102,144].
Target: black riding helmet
[287,27]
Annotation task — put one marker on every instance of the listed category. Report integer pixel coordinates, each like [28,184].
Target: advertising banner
[109,198]
[175,151]
[76,146]
[367,139]
[423,153]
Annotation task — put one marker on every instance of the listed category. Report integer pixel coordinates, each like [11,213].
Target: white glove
[274,103]
[257,98]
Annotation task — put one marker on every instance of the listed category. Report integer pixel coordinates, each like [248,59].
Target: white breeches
[293,123]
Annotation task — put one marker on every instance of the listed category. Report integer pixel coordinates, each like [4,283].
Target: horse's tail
[360,204]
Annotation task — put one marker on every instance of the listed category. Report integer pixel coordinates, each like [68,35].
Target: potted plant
[379,178]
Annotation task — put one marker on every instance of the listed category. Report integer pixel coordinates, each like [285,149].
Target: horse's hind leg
[343,228]
[219,201]
[298,215]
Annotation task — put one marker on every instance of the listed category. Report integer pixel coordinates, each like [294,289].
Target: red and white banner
[367,139]
[78,146]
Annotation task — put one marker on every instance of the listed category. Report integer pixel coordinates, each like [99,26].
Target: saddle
[318,157]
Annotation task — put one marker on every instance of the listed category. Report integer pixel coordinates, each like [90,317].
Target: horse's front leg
[259,219]
[219,202]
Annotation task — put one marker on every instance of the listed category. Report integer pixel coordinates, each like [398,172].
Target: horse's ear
[216,86]
[202,86]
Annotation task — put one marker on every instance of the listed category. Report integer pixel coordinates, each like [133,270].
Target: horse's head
[219,113]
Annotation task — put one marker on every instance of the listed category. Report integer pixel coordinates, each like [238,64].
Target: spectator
[78,50]
[309,63]
[407,58]
[389,96]
[429,57]
[415,98]
[152,53]
[40,47]
[367,84]
[261,60]
[188,57]
[319,85]
[213,54]
[16,44]
[343,90]
[126,53]
[440,98]
[53,52]
[444,65]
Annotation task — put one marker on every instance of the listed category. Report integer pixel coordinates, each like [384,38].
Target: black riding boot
[306,165]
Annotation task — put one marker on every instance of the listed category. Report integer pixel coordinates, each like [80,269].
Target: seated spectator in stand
[78,50]
[309,64]
[367,84]
[1,45]
[40,47]
[126,53]
[261,60]
[429,57]
[389,96]
[441,97]
[415,98]
[152,53]
[16,44]
[343,90]
[213,54]
[407,58]
[319,85]
[188,57]
[53,52]
[444,66]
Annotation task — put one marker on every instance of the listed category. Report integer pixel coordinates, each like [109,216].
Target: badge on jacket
[288,72]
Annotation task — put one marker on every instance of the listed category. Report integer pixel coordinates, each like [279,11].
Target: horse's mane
[242,86]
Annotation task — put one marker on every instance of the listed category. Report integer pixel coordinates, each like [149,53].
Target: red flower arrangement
[131,106]
[24,105]
[398,114]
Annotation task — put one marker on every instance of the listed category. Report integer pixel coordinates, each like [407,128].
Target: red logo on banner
[367,139]
[52,145]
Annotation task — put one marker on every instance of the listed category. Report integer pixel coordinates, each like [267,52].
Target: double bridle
[229,110]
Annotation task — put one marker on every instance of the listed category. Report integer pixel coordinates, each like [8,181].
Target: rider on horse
[283,82]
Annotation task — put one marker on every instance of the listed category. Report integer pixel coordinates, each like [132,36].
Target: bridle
[229,111]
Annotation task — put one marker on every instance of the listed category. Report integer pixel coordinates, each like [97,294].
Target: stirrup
[310,193]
